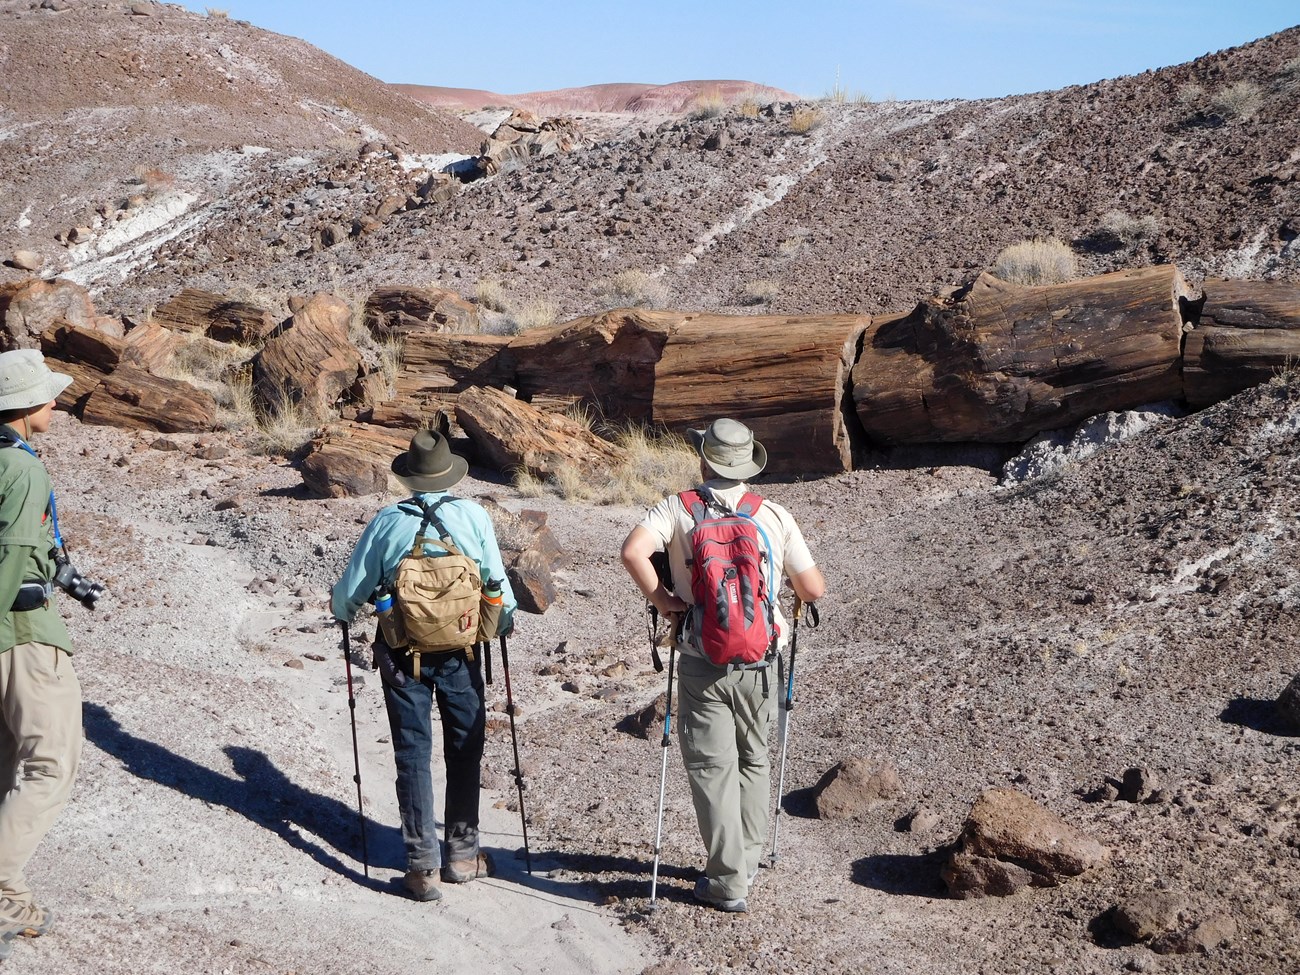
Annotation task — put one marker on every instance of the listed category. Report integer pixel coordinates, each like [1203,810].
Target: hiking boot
[24,920]
[736,906]
[7,944]
[463,871]
[423,885]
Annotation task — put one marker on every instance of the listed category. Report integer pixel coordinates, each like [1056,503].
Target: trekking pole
[356,755]
[514,740]
[485,648]
[785,706]
[663,773]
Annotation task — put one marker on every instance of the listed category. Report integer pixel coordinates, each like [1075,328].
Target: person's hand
[671,605]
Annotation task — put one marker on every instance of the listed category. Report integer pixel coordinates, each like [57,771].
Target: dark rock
[1138,784]
[1288,704]
[854,787]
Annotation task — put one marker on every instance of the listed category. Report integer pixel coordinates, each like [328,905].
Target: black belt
[31,595]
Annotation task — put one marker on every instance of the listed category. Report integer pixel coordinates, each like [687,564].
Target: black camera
[67,578]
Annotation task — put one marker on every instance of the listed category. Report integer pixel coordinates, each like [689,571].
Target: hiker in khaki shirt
[40,699]
[726,713]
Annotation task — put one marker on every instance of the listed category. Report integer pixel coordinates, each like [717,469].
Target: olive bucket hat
[26,381]
[729,447]
[429,464]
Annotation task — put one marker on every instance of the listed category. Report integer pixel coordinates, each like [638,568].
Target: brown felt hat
[429,464]
[729,448]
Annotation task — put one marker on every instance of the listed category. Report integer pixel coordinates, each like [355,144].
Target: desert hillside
[1107,638]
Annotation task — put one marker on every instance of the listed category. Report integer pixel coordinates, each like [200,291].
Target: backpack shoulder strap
[695,504]
[429,516]
[749,504]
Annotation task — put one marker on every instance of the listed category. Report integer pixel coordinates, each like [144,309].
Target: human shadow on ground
[1258,715]
[908,875]
[262,793]
[800,803]
[605,877]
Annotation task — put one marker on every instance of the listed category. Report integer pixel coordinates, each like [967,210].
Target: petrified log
[310,358]
[133,399]
[84,354]
[28,308]
[1248,332]
[784,376]
[1003,362]
[151,347]
[510,435]
[400,311]
[437,362]
[350,459]
[216,316]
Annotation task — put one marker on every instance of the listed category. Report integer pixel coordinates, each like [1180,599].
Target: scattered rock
[1288,704]
[1138,785]
[1010,841]
[294,664]
[1203,938]
[1148,914]
[922,820]
[25,260]
[851,789]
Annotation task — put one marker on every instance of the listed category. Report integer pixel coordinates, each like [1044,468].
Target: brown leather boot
[423,885]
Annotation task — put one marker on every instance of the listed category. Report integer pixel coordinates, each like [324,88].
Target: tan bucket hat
[429,464]
[729,447]
[26,381]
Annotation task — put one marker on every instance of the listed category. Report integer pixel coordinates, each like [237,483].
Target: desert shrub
[491,294]
[1289,73]
[707,104]
[525,316]
[390,358]
[1118,227]
[216,13]
[796,245]
[749,108]
[1036,262]
[1238,101]
[287,426]
[631,289]
[208,364]
[1190,98]
[760,292]
[805,120]
[839,94]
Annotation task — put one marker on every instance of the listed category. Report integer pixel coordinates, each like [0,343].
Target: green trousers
[724,731]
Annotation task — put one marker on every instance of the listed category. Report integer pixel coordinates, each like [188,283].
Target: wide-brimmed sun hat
[26,381]
[429,464]
[729,447]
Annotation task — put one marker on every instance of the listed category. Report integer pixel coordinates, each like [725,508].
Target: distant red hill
[622,97]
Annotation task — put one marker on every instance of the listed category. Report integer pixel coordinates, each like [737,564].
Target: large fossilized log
[1002,362]
[1249,330]
[132,399]
[784,376]
[349,459]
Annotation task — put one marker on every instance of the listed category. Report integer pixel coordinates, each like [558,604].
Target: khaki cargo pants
[40,733]
[725,725]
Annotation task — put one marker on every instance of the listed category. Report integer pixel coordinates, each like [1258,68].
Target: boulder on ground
[26,260]
[1009,842]
[1288,704]
[30,307]
[1148,914]
[854,787]
[309,359]
[1203,937]
[352,459]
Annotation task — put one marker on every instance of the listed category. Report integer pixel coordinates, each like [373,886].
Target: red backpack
[732,621]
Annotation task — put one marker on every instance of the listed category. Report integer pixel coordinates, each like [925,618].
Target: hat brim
[430,482]
[740,472]
[55,384]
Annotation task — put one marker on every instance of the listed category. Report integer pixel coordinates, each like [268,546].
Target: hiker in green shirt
[40,699]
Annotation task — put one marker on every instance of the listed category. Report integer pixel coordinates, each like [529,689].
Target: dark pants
[457,685]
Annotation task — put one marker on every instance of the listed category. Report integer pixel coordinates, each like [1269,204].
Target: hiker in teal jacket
[40,699]
[453,678]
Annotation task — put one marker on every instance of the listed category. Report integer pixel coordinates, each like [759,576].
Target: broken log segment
[1002,363]
[1249,331]
[219,317]
[133,399]
[351,459]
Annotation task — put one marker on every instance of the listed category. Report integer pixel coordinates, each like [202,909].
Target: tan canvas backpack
[438,595]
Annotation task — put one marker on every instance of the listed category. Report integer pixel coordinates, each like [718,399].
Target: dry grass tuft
[1118,227]
[1237,102]
[761,292]
[491,294]
[805,120]
[707,104]
[216,13]
[536,313]
[631,289]
[657,464]
[1036,262]
[749,108]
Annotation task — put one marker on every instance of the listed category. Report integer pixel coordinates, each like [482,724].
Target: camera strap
[10,440]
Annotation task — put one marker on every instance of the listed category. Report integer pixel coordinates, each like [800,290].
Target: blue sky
[882,48]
